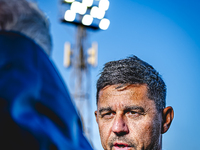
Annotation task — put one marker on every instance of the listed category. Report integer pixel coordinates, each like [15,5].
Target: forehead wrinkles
[133,91]
[120,98]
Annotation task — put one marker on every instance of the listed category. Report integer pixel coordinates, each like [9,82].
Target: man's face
[127,119]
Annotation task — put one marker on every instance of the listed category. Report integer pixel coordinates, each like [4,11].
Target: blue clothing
[36,111]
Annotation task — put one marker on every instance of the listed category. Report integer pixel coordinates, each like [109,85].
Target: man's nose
[120,127]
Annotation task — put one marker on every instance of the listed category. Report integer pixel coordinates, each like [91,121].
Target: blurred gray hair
[26,18]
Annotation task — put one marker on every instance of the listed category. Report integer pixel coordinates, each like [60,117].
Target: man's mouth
[121,146]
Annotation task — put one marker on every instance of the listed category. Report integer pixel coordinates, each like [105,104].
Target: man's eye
[133,114]
[108,115]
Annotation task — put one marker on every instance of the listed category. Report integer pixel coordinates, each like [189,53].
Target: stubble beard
[156,139]
[120,139]
[155,143]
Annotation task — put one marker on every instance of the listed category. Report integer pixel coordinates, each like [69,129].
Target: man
[36,111]
[131,112]
[25,18]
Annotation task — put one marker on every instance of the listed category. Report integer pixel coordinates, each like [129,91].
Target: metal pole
[81,81]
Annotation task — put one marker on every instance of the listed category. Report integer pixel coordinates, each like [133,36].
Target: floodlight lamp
[101,13]
[104,24]
[88,3]
[75,6]
[82,9]
[69,1]
[97,12]
[70,16]
[87,20]
[104,4]
[94,12]
[78,7]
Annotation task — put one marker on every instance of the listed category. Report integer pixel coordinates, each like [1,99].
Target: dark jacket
[36,111]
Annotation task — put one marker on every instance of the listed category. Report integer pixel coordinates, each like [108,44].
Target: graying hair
[25,17]
[133,70]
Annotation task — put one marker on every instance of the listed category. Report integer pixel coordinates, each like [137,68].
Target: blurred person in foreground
[36,111]
[131,106]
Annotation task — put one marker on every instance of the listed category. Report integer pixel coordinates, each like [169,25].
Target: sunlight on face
[127,119]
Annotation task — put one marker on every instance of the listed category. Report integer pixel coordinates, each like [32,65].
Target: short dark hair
[133,70]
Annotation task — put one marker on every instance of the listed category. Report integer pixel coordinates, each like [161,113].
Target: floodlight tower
[85,14]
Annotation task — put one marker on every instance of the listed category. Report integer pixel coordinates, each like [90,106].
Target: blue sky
[164,33]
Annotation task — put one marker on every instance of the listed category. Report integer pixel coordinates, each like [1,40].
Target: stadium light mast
[84,14]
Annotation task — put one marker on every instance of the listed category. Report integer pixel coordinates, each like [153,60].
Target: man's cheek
[141,131]
[104,135]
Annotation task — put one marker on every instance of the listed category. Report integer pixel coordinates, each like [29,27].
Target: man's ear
[96,116]
[167,117]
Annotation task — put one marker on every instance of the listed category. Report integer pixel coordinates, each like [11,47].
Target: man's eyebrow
[134,108]
[104,109]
